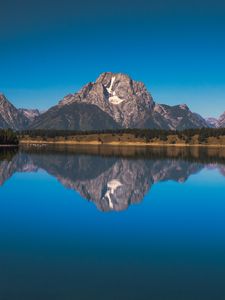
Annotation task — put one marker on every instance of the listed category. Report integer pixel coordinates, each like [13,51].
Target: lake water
[112,223]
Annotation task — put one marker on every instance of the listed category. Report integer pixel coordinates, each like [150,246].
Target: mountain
[10,116]
[78,116]
[113,101]
[122,99]
[30,114]
[217,123]
[221,121]
[179,117]
[212,122]
[125,100]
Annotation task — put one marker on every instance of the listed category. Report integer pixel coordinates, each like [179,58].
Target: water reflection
[113,178]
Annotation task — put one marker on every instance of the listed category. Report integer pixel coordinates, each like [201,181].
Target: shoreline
[96,143]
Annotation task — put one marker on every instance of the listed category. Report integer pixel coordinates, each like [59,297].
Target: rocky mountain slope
[212,122]
[11,117]
[78,116]
[127,102]
[221,121]
[216,123]
[30,114]
[179,117]
[113,101]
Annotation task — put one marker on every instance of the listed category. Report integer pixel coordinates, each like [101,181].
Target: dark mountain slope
[76,116]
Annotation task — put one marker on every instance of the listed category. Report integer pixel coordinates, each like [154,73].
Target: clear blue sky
[51,48]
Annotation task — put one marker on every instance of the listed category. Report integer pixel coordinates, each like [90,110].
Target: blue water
[167,243]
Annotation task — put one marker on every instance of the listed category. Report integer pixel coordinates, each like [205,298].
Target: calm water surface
[108,223]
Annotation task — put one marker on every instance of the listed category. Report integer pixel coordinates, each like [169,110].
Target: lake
[112,223]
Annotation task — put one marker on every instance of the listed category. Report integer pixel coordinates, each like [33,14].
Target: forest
[147,134]
[8,137]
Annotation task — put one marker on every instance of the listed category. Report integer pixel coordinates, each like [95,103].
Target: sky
[50,48]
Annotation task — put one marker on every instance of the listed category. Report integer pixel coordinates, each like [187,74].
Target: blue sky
[51,48]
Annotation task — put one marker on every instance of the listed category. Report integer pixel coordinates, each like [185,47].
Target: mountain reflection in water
[113,178]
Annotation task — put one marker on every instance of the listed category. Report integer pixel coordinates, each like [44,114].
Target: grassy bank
[126,139]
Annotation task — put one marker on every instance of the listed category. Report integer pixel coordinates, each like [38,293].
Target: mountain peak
[221,120]
[184,106]
[3,98]
[5,103]
[105,77]
[130,104]
[216,123]
[212,122]
[120,86]
[10,116]
[114,100]
[125,100]
[30,114]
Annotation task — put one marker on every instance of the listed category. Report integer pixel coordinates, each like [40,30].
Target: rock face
[76,116]
[221,121]
[30,114]
[179,117]
[127,102]
[217,123]
[212,122]
[113,101]
[11,117]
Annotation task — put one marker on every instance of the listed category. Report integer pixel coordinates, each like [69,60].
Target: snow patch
[111,84]
[115,100]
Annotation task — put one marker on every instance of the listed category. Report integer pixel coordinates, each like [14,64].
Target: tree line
[8,137]
[147,134]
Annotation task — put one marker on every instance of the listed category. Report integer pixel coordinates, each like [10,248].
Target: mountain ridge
[75,115]
[114,100]
[130,105]
[10,116]
[216,123]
